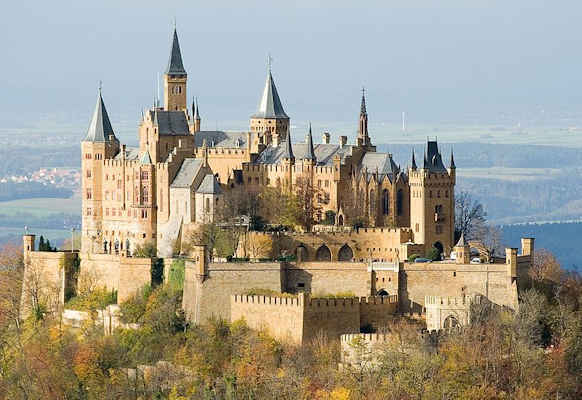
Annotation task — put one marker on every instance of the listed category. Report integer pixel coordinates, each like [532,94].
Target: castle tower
[175,79]
[363,140]
[99,144]
[432,201]
[288,162]
[270,120]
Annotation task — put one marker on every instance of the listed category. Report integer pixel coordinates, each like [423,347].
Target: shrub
[338,295]
[96,299]
[413,257]
[433,254]
[329,218]
[176,275]
[146,249]
[133,309]
[266,292]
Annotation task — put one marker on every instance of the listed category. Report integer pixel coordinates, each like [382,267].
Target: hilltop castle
[176,175]
[177,178]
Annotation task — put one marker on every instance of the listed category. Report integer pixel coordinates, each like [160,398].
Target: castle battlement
[342,302]
[366,337]
[450,300]
[267,300]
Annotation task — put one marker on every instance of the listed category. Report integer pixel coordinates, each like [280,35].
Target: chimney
[343,140]
[326,137]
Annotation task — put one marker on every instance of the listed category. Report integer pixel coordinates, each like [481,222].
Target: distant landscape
[527,189]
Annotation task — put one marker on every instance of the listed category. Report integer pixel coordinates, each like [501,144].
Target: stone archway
[451,323]
[439,246]
[345,253]
[323,253]
[382,292]
[301,253]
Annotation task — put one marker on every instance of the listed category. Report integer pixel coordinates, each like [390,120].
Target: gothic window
[145,194]
[399,202]
[323,254]
[207,206]
[88,173]
[144,175]
[385,202]
[345,253]
[372,203]
[89,194]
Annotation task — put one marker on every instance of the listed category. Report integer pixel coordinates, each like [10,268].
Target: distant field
[510,174]
[41,207]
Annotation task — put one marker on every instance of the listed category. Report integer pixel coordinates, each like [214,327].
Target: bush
[434,254]
[338,295]
[133,309]
[176,275]
[413,257]
[93,300]
[146,249]
[329,218]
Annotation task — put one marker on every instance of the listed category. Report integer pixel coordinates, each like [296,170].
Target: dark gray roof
[288,149]
[209,185]
[131,153]
[363,105]
[433,160]
[310,155]
[270,104]
[324,153]
[187,173]
[175,65]
[196,112]
[413,160]
[100,126]
[170,122]
[221,139]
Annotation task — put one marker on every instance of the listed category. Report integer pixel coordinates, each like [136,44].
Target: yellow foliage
[340,393]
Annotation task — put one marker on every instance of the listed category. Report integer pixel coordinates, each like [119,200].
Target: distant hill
[562,239]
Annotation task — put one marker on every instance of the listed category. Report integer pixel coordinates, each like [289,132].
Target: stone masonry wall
[377,311]
[281,317]
[320,278]
[332,317]
[134,273]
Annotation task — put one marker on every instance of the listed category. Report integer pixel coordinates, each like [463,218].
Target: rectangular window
[145,175]
[88,173]
[89,194]
[107,212]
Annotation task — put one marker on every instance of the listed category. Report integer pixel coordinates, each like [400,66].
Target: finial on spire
[269,62]
[363,106]
[174,22]
[100,86]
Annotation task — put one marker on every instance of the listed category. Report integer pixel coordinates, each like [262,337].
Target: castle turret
[310,154]
[270,120]
[363,139]
[175,79]
[196,115]
[99,144]
[432,201]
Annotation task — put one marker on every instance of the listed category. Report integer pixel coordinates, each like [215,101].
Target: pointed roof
[363,105]
[270,105]
[288,152]
[461,242]
[145,158]
[433,160]
[452,160]
[193,106]
[197,110]
[209,185]
[175,65]
[310,155]
[100,126]
[413,160]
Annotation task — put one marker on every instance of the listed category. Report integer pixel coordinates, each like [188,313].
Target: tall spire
[100,127]
[197,109]
[413,160]
[175,65]
[452,160]
[270,105]
[193,106]
[288,153]
[363,105]
[310,155]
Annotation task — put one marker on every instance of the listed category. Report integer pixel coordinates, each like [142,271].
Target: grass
[338,295]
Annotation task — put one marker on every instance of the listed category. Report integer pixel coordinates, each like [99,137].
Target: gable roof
[170,122]
[188,172]
[324,153]
[270,105]
[100,127]
[221,139]
[209,185]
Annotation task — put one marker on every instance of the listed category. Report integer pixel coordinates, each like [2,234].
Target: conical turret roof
[413,160]
[310,155]
[270,105]
[288,153]
[100,127]
[175,65]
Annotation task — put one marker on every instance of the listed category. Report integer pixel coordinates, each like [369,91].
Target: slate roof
[100,126]
[310,155]
[175,65]
[170,122]
[382,162]
[323,152]
[221,139]
[187,173]
[145,158]
[209,185]
[270,105]
[131,153]
[433,160]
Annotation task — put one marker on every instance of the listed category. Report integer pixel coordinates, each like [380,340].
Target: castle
[177,178]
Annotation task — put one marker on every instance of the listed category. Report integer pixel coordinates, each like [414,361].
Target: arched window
[385,202]
[345,253]
[399,202]
[207,208]
[372,204]
[323,254]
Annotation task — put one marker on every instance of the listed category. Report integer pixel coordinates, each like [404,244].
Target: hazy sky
[434,59]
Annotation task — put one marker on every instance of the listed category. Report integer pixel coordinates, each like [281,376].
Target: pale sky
[434,59]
